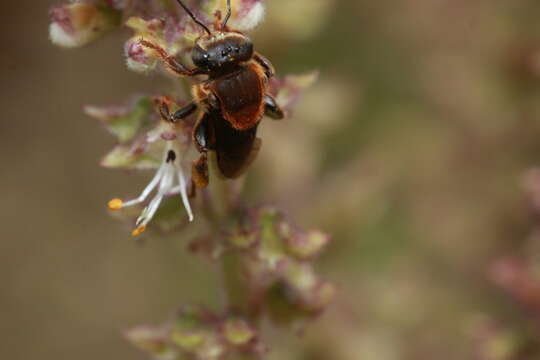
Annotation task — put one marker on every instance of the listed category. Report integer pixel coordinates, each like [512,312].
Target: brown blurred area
[410,151]
[72,277]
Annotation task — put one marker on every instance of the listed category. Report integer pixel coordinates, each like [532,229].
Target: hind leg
[202,139]
[199,172]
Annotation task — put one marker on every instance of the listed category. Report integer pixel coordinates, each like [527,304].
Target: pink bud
[250,13]
[139,58]
[78,24]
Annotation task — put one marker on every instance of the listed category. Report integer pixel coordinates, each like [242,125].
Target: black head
[221,50]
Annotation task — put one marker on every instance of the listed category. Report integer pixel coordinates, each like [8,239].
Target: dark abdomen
[235,149]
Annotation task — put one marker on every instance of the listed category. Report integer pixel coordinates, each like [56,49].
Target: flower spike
[168,180]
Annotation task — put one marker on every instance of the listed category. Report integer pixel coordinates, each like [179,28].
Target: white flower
[168,180]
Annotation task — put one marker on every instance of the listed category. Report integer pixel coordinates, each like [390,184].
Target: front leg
[184,112]
[170,62]
[180,114]
[272,109]
[266,65]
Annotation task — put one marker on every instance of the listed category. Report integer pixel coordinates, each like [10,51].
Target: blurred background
[412,151]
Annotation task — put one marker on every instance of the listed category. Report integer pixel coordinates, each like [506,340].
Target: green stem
[219,191]
[235,283]
[236,286]
[236,289]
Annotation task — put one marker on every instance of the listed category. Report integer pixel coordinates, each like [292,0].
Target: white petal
[183,193]
[148,189]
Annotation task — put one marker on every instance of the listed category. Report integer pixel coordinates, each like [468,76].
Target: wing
[241,95]
[235,149]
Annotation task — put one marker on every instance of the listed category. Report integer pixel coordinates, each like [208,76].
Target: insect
[231,100]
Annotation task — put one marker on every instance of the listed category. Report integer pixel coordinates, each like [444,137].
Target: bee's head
[221,50]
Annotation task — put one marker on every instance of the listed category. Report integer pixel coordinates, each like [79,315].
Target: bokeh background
[412,151]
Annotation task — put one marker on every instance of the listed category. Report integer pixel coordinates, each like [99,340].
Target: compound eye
[200,57]
[225,52]
[245,50]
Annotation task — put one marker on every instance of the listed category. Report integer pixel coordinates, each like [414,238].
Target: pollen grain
[138,230]
[115,204]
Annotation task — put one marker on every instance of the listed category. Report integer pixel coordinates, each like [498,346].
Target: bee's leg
[265,63]
[163,103]
[199,171]
[202,135]
[170,61]
[272,109]
[183,112]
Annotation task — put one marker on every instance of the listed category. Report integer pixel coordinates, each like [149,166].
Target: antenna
[197,21]
[228,16]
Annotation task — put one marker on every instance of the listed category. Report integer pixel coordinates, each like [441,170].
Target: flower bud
[150,339]
[249,14]
[289,89]
[321,296]
[246,14]
[139,58]
[305,246]
[124,120]
[238,332]
[78,24]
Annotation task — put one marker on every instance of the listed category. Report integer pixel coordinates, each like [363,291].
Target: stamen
[115,204]
[149,212]
[138,231]
[183,193]
[148,189]
[165,185]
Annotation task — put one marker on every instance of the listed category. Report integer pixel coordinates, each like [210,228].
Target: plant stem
[236,285]
[219,190]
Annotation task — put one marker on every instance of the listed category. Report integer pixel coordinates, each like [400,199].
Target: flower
[174,35]
[124,121]
[168,180]
[200,334]
[246,14]
[162,146]
[138,57]
[288,90]
[79,23]
[279,260]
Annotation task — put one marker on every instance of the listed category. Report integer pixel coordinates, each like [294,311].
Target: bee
[232,99]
